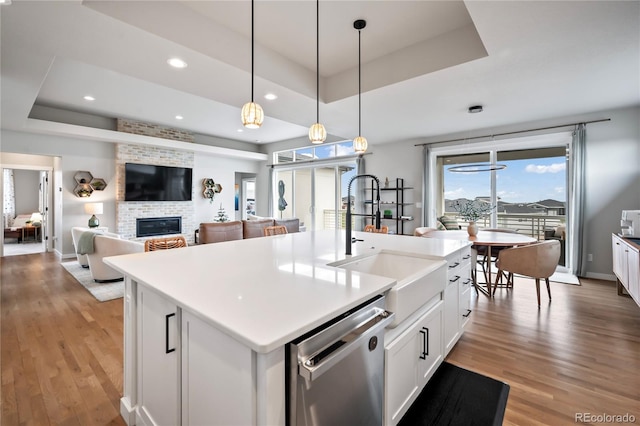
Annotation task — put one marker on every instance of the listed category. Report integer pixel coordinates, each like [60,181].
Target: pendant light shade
[252,114]
[360,142]
[360,145]
[317,132]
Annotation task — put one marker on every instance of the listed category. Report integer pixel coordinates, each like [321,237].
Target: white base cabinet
[457,297]
[418,345]
[410,361]
[626,266]
[189,373]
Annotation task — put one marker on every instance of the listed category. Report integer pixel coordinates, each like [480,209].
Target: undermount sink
[418,279]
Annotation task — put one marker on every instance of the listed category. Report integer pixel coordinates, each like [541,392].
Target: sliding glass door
[524,181]
[313,193]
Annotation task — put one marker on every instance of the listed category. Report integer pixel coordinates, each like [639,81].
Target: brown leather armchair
[218,232]
[255,228]
[292,225]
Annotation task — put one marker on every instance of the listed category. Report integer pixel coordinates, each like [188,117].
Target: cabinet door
[158,359]
[407,367]
[465,299]
[431,341]
[216,376]
[619,259]
[451,312]
[633,262]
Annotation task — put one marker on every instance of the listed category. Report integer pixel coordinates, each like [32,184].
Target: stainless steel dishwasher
[335,373]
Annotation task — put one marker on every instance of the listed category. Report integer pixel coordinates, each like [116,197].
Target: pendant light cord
[251,50]
[317,61]
[359,89]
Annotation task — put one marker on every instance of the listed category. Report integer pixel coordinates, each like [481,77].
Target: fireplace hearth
[154,226]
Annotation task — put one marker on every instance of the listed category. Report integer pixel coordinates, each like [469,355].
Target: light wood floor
[62,350]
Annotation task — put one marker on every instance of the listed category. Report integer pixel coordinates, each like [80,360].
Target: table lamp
[36,219]
[93,209]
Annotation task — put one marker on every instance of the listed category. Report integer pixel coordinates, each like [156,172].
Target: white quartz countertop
[265,292]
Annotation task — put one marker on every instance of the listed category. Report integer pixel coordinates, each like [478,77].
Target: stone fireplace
[129,212]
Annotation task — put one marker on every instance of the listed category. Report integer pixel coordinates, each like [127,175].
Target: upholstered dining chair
[275,230]
[165,243]
[538,260]
[384,229]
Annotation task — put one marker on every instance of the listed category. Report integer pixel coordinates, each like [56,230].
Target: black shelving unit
[397,207]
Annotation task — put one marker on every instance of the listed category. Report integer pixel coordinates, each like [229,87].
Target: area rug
[455,396]
[102,292]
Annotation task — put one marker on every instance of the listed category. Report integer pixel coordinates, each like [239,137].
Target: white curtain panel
[577,205]
[9,201]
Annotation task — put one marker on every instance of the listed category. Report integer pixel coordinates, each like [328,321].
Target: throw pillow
[440,226]
[450,223]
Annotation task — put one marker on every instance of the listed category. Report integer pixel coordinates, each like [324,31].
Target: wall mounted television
[146,182]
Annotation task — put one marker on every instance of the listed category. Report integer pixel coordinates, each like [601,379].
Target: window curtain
[577,205]
[272,195]
[9,197]
[426,170]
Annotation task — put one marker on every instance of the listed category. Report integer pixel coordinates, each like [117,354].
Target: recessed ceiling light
[177,63]
[271,96]
[89,98]
[179,117]
[240,130]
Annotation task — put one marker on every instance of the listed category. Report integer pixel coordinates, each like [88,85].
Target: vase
[472,229]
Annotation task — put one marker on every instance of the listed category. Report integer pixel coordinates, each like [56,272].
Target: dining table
[486,239]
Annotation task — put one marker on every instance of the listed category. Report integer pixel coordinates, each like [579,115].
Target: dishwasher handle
[317,364]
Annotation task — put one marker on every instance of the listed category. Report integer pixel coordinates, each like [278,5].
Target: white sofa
[76,231]
[104,246]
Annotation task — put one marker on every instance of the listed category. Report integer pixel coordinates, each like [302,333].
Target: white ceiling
[423,63]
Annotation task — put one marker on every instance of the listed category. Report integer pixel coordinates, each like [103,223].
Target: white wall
[222,171]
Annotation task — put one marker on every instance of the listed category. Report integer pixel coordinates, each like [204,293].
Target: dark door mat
[455,396]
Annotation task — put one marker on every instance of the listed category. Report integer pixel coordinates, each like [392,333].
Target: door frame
[47,200]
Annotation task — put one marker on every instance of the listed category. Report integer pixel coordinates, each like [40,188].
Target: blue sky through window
[523,181]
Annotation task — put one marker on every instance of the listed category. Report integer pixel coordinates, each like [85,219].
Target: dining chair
[538,260]
[384,229]
[165,243]
[275,230]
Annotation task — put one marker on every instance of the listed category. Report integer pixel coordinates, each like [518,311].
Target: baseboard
[127,412]
[66,256]
[596,276]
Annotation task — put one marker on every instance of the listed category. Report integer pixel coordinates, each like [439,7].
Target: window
[529,196]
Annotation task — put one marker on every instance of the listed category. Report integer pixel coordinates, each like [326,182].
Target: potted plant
[388,214]
[471,211]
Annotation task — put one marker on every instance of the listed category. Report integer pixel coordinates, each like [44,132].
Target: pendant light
[252,114]
[359,143]
[317,132]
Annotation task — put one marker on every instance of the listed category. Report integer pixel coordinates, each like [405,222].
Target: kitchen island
[206,326]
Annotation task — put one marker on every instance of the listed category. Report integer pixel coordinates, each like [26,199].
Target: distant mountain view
[547,207]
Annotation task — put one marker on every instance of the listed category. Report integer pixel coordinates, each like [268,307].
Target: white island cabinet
[206,326]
